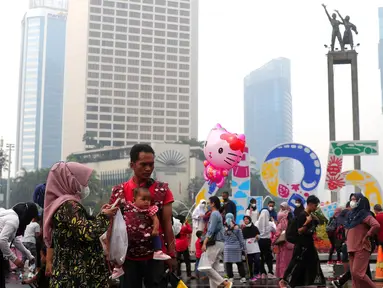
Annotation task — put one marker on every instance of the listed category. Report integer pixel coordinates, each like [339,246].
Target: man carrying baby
[139,265]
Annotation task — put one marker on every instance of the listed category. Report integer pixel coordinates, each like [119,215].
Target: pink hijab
[63,184]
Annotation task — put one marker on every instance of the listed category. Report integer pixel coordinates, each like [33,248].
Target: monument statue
[349,27]
[335,23]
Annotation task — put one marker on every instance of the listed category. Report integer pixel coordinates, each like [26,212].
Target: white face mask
[84,193]
[248,225]
[353,204]
[203,205]
[271,208]
[298,204]
[253,205]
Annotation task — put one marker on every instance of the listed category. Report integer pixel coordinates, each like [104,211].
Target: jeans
[186,257]
[254,263]
[197,273]
[332,249]
[32,248]
[266,255]
[241,269]
[151,272]
[157,243]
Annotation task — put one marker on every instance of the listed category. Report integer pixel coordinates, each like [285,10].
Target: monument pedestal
[340,58]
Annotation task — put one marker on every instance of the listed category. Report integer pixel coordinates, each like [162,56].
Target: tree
[195,143]
[91,143]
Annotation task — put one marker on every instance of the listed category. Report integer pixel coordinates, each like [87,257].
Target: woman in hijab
[39,195]
[78,259]
[234,246]
[12,224]
[266,227]
[198,222]
[285,249]
[251,236]
[361,227]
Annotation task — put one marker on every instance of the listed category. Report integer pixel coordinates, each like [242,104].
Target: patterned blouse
[78,260]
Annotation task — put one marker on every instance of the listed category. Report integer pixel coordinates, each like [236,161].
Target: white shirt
[30,232]
[9,223]
[266,234]
[252,246]
[253,215]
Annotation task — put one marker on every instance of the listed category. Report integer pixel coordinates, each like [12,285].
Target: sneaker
[330,262]
[243,280]
[258,276]
[263,276]
[253,279]
[231,280]
[159,255]
[117,273]
[228,284]
[271,276]
[336,284]
[339,262]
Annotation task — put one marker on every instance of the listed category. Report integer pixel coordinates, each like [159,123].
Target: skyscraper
[131,73]
[380,50]
[268,109]
[41,84]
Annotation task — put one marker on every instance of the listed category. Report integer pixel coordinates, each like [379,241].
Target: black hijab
[249,232]
[26,212]
[359,213]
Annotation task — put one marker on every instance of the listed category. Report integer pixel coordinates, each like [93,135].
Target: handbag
[281,239]
[210,241]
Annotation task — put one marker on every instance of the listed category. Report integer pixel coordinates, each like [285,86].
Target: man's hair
[182,218]
[216,201]
[271,202]
[299,200]
[199,234]
[348,204]
[252,200]
[378,208]
[137,149]
[137,191]
[313,199]
[225,192]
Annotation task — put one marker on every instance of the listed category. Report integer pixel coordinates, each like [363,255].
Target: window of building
[105,134]
[105,109]
[105,117]
[171,138]
[117,118]
[171,113]
[105,126]
[170,121]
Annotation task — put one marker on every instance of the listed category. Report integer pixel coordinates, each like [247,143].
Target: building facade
[41,85]
[131,73]
[380,50]
[268,110]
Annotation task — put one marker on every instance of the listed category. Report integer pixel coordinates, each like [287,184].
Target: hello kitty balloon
[223,151]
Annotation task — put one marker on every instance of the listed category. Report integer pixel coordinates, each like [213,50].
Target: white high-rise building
[131,72]
[41,84]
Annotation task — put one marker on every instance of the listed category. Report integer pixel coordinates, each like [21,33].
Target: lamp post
[10,148]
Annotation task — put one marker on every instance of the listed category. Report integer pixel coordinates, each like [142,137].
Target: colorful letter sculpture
[336,179]
[223,151]
[240,185]
[277,186]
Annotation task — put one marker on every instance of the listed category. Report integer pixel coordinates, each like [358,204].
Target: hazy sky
[238,36]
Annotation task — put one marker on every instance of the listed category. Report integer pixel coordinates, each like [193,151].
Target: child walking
[198,253]
[251,236]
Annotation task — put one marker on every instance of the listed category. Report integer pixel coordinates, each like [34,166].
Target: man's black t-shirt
[306,237]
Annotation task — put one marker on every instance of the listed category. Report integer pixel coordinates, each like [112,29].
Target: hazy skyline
[236,37]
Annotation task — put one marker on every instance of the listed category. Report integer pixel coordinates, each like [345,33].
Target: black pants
[3,270]
[241,269]
[151,272]
[332,249]
[186,257]
[266,255]
[253,260]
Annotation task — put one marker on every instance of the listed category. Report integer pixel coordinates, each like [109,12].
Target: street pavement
[327,271]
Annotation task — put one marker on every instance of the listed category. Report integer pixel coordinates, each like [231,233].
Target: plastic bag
[204,263]
[118,240]
[177,225]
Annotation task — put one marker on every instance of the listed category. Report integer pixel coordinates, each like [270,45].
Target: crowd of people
[69,248]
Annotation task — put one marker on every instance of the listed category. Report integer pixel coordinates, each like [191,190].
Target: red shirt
[182,243]
[127,189]
[379,218]
[198,248]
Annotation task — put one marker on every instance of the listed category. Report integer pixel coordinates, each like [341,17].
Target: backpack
[292,231]
[331,226]
[340,236]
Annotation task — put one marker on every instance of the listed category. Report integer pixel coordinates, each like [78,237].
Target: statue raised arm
[335,29]
[348,28]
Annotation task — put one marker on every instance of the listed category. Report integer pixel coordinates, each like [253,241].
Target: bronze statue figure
[349,27]
[335,23]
